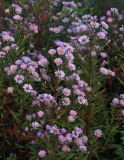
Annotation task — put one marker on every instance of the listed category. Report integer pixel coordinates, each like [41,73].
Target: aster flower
[82,100]
[61,50]
[66,92]
[105,25]
[35,125]
[122,102]
[58,61]
[98,133]
[71,118]
[71,67]
[40,114]
[6,48]
[66,149]
[2,54]
[66,101]
[6,36]
[84,139]
[101,35]
[69,57]
[17,17]
[27,88]
[12,69]
[60,74]
[42,153]
[73,113]
[93,53]
[19,79]
[18,9]
[103,54]
[69,137]
[23,66]
[52,52]
[81,28]
[10,90]
[61,138]
[54,129]
[83,148]
[33,27]
[43,61]
[65,20]
[94,24]
[83,39]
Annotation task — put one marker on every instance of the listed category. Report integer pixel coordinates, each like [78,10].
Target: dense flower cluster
[7,43]
[65,81]
[118,101]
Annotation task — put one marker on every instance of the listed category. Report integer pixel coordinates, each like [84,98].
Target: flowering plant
[60,95]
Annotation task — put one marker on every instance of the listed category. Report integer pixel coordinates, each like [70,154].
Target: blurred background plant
[99,7]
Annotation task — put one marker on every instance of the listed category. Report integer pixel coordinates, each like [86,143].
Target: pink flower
[10,90]
[6,48]
[98,133]
[84,139]
[35,125]
[43,61]
[82,100]
[27,88]
[31,69]
[60,74]
[81,28]
[2,54]
[83,40]
[61,138]
[12,69]
[18,10]
[94,24]
[19,79]
[83,148]
[105,25]
[110,20]
[103,54]
[42,153]
[5,36]
[69,137]
[122,102]
[58,61]
[17,17]
[52,52]
[66,149]
[101,35]
[33,27]
[115,102]
[66,92]
[93,53]
[71,67]
[40,114]
[71,119]
[23,66]
[109,13]
[61,50]
[73,113]
[66,101]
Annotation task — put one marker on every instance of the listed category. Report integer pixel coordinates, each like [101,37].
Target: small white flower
[27,88]
[35,125]
[60,74]
[19,79]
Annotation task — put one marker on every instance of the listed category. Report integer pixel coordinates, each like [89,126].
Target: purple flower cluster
[60,79]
